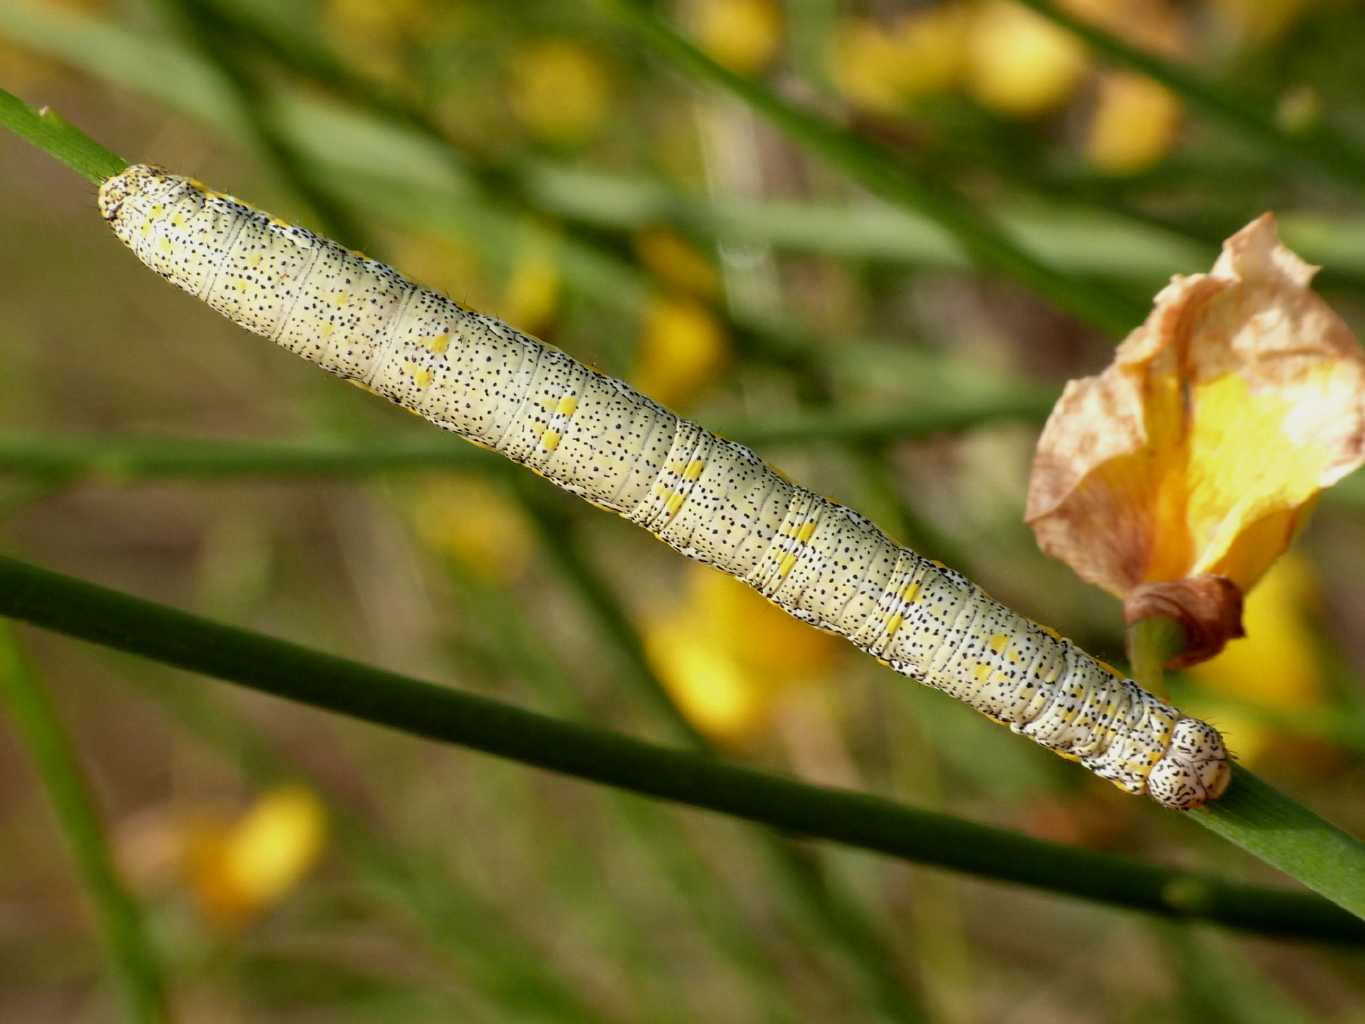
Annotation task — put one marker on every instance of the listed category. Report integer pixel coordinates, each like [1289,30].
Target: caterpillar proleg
[709,498]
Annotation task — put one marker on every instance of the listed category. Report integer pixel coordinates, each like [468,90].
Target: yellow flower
[240,869]
[475,522]
[677,262]
[530,298]
[1255,22]
[1276,667]
[1135,124]
[1018,63]
[449,266]
[744,35]
[728,656]
[376,36]
[682,350]
[1198,452]
[560,90]
[884,68]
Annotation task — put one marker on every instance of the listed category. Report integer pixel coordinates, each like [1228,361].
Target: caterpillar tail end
[1195,770]
[136,179]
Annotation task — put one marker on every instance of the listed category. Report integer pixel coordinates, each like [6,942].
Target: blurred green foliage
[537,160]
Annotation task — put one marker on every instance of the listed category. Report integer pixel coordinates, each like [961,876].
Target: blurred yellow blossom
[530,297]
[1275,667]
[376,36]
[1195,456]
[1254,22]
[449,266]
[240,869]
[744,35]
[728,656]
[1019,63]
[1135,124]
[882,68]
[683,348]
[560,90]
[677,262]
[475,522]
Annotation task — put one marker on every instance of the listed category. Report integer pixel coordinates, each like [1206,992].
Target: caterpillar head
[134,180]
[1195,769]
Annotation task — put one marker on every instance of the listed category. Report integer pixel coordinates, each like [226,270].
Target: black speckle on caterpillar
[709,498]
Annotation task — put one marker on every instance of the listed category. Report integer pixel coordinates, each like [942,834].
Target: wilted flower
[744,35]
[240,869]
[1135,124]
[1176,477]
[1276,668]
[682,350]
[728,656]
[560,90]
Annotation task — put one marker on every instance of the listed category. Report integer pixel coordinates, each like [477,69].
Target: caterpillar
[707,497]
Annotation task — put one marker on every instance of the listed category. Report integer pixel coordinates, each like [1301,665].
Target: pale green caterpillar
[709,498]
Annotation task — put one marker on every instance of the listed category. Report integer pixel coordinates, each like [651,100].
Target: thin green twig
[1259,818]
[511,973]
[132,961]
[287,670]
[827,905]
[894,180]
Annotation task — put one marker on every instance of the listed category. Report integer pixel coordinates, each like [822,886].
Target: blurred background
[535,160]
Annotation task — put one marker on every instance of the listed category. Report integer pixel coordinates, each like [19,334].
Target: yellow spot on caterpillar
[788,561]
[342,299]
[165,246]
[539,428]
[158,210]
[422,377]
[568,405]
[550,439]
[1049,631]
[255,260]
[910,593]
[358,254]
[693,470]
[1110,669]
[981,672]
[998,642]
[806,532]
[146,228]
[241,285]
[177,220]
[439,343]
[1065,756]
[894,623]
[674,503]
[325,329]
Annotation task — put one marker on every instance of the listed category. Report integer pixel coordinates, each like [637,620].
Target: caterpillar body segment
[709,498]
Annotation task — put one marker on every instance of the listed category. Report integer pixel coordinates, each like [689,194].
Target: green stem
[131,958]
[1253,814]
[1322,148]
[287,670]
[895,180]
[49,132]
[827,905]
[511,972]
[1152,643]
